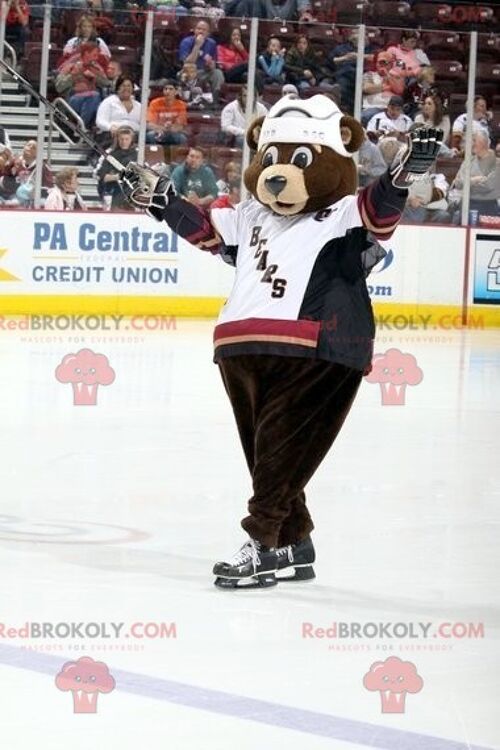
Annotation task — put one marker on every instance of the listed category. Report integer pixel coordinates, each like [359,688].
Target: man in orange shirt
[167,118]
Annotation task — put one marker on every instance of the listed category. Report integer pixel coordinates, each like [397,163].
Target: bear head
[303,160]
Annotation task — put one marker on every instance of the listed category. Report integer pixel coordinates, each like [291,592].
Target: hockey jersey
[299,288]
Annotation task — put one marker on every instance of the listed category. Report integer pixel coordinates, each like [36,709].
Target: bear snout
[275,184]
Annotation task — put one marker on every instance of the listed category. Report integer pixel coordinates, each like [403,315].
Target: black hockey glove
[419,156]
[146,189]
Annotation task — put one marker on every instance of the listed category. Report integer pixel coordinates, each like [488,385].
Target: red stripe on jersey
[374,214]
[298,332]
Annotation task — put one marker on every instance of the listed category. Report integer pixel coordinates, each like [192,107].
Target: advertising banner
[55,253]
[423,266]
[102,262]
[486,269]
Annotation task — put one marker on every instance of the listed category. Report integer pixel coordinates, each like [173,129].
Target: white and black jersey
[300,284]
[300,287]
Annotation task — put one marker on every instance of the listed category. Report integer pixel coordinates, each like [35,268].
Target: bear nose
[275,184]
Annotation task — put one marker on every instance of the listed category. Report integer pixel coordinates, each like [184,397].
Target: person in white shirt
[64,195]
[392,120]
[232,117]
[118,110]
[481,118]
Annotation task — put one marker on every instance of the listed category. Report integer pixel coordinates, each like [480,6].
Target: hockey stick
[63,118]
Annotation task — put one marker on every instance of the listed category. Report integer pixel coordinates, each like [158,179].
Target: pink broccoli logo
[85,678]
[394,371]
[393,678]
[86,371]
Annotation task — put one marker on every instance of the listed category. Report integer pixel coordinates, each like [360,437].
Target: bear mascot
[296,334]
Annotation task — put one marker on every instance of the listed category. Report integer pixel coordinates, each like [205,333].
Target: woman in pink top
[407,55]
[232,57]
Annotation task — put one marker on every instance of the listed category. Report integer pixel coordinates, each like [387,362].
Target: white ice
[116,513]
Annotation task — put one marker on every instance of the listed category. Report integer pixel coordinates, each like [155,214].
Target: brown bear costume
[296,333]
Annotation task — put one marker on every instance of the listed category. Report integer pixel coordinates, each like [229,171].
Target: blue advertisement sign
[486,283]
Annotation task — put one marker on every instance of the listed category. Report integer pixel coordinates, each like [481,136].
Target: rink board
[105,263]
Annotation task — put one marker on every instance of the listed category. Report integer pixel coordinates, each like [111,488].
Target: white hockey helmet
[315,121]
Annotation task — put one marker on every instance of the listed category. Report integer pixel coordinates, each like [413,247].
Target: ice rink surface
[113,514]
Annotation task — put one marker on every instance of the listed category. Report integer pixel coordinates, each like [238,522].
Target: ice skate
[299,556]
[253,566]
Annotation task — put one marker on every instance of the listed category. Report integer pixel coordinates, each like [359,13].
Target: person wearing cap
[167,117]
[408,55]
[232,117]
[392,121]
[124,151]
[291,90]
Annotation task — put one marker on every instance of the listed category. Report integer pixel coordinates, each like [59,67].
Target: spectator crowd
[195,114]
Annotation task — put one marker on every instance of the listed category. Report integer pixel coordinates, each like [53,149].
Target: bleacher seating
[449,73]
[426,14]
[488,72]
[353,11]
[445,42]
[444,46]
[448,167]
[391,12]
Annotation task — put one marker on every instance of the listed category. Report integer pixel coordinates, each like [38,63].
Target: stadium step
[10,98]
[21,122]
[64,158]
[15,110]
[9,86]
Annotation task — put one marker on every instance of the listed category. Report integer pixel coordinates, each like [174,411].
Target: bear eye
[302,157]
[270,157]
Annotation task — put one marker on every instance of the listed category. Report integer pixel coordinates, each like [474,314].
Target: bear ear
[253,133]
[352,133]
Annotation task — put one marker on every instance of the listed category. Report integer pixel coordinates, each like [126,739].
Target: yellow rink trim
[188,307]
[441,316]
[444,317]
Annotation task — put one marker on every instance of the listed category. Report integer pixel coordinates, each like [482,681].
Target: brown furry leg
[298,524]
[289,411]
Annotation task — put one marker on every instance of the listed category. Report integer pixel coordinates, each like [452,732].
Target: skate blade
[302,573]
[262,581]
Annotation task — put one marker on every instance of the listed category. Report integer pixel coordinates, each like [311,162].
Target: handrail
[59,102]
[11,51]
